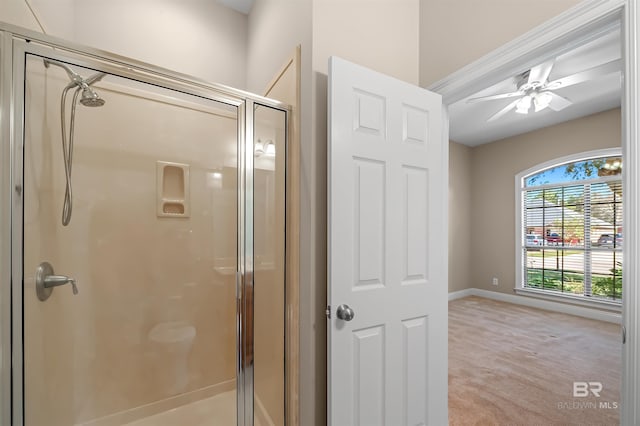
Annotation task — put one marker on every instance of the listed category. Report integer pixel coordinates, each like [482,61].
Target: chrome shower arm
[74,76]
[76,79]
[94,78]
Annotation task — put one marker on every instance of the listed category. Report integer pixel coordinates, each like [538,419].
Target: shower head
[90,98]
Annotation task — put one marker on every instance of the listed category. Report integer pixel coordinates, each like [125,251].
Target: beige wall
[196,37]
[460,212]
[379,34]
[454,33]
[275,28]
[494,167]
[17,12]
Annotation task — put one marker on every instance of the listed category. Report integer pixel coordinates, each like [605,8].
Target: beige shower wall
[90,355]
[493,206]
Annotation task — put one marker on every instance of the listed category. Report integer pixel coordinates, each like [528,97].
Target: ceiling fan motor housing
[525,87]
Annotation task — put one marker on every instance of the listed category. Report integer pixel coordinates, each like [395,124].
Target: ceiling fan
[534,89]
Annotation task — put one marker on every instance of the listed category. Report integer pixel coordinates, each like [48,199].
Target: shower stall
[142,243]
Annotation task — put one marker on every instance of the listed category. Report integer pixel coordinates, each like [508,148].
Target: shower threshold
[216,410]
[215,405]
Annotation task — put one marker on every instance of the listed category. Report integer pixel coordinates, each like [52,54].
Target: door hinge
[327,312]
[624,335]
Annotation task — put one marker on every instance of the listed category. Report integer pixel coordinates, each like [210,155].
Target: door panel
[369,248]
[269,275]
[151,244]
[368,379]
[388,364]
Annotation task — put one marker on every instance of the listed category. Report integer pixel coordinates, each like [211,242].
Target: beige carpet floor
[514,365]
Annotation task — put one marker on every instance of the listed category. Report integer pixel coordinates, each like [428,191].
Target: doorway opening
[495,166]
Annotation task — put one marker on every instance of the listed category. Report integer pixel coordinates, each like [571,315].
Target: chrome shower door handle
[46,281]
[345,313]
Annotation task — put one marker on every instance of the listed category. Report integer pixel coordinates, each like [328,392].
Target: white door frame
[587,19]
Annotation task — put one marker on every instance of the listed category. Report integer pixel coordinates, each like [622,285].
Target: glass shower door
[269,145]
[149,337]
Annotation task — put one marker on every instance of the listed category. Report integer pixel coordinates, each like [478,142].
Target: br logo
[583,389]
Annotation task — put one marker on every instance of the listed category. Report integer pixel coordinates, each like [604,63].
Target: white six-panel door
[387,260]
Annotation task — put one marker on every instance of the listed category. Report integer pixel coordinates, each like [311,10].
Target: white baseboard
[461,293]
[533,302]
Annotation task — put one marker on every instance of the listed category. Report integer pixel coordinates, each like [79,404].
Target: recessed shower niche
[172,186]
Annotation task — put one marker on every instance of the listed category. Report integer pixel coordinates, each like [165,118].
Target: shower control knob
[46,281]
[345,313]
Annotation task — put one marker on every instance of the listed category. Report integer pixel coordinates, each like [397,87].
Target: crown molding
[586,21]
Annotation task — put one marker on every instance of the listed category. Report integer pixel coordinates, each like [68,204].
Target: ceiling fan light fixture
[542,100]
[524,105]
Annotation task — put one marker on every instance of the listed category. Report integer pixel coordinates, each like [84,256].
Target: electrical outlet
[494,281]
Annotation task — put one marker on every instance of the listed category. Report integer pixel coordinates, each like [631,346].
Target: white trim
[571,299]
[572,158]
[461,293]
[591,17]
[585,21]
[540,303]
[630,412]
[602,179]
[5,230]
[444,247]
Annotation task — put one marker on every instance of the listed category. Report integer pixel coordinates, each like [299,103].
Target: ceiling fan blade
[492,97]
[582,76]
[503,111]
[541,72]
[558,102]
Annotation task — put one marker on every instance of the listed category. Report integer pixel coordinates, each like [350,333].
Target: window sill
[570,299]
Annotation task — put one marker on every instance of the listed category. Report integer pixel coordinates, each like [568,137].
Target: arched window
[570,229]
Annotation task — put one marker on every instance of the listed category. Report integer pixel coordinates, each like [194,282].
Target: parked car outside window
[606,240]
[534,240]
[554,239]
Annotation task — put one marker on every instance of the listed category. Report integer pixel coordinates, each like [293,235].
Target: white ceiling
[242,6]
[468,121]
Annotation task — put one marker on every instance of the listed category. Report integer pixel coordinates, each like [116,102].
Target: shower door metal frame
[15,44]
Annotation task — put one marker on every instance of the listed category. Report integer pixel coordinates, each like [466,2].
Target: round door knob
[345,313]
